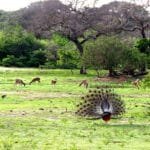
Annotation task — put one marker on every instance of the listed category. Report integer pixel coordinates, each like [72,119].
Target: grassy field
[41,116]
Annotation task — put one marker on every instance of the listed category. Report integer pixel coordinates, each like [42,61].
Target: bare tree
[68,20]
[79,23]
[130,17]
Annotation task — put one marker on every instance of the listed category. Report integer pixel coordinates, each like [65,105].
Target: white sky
[10,5]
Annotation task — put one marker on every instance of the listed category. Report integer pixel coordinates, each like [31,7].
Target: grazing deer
[136,83]
[3,96]
[84,83]
[19,82]
[35,80]
[53,82]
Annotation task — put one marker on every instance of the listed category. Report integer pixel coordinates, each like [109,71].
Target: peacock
[101,103]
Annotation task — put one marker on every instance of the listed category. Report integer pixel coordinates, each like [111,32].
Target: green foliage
[8,61]
[68,59]
[105,52]
[60,40]
[16,42]
[61,53]
[51,49]
[37,58]
[68,56]
[143,45]
[111,53]
[132,59]
[11,60]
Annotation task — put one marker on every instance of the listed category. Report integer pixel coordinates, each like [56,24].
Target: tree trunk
[143,33]
[140,74]
[143,68]
[128,71]
[83,70]
[80,48]
[111,72]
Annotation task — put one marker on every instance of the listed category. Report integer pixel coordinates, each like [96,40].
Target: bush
[68,59]
[10,60]
[111,53]
[105,52]
[50,65]
[143,45]
[132,59]
[37,58]
[14,41]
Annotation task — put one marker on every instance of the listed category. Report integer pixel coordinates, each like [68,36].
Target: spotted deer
[136,83]
[53,82]
[84,83]
[19,82]
[3,96]
[37,79]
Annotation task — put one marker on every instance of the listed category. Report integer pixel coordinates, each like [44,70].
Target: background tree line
[59,35]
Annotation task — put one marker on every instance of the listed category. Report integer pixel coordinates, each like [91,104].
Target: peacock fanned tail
[100,101]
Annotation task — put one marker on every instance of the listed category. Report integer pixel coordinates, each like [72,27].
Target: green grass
[41,116]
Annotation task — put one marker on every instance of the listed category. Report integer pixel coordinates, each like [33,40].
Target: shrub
[68,59]
[105,52]
[37,58]
[10,60]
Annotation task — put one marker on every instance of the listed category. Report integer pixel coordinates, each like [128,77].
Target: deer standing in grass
[84,83]
[3,96]
[136,83]
[37,79]
[53,82]
[19,82]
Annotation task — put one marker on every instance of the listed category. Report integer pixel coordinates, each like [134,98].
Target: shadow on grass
[127,125]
